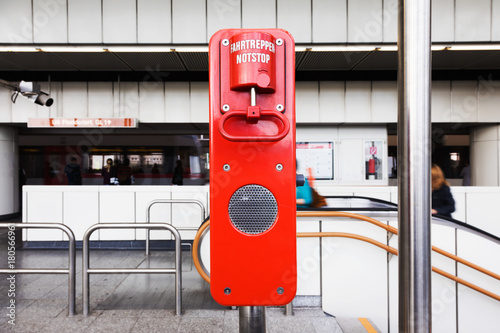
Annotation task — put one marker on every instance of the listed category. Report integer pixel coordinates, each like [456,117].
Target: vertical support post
[72,273]
[85,273]
[178,271]
[289,309]
[414,75]
[252,319]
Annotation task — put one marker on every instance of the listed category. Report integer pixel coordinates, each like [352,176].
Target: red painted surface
[371,166]
[252,141]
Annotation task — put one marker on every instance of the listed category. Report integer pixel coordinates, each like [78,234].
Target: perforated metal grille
[253,209]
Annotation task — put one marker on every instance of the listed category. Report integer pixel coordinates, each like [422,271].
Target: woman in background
[442,200]
[107,172]
[178,177]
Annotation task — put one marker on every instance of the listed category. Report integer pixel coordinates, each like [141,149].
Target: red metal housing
[252,167]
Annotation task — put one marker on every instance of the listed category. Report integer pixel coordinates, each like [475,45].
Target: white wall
[485,155]
[80,207]
[318,102]
[194,21]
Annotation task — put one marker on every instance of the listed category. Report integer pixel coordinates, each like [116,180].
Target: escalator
[353,279]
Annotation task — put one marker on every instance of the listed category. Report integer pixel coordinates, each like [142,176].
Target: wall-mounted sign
[82,122]
[315,155]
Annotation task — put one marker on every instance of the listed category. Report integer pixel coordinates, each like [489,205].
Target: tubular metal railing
[177,270]
[204,228]
[395,232]
[71,271]
[170,201]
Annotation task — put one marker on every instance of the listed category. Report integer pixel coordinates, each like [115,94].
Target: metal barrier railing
[202,270]
[87,270]
[170,201]
[71,271]
[395,232]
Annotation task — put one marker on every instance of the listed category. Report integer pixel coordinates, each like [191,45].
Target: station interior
[145,84]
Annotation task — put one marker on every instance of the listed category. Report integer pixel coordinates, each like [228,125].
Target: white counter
[79,207]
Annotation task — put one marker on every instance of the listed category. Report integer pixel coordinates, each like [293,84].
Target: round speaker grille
[253,209]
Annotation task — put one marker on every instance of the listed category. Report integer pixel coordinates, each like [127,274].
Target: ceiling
[308,61]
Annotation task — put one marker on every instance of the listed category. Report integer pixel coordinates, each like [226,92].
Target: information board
[315,155]
[82,122]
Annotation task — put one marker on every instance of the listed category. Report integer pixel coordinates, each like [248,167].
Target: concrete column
[485,155]
[9,171]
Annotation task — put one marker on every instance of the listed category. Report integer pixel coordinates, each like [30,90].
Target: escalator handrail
[450,222]
[350,215]
[392,207]
[206,275]
[394,231]
[395,252]
[381,201]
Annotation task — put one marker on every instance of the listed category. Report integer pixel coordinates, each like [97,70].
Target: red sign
[82,122]
[253,61]
[252,167]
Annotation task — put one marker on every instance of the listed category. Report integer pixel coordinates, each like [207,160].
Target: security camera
[40,98]
[33,92]
[29,90]
[44,99]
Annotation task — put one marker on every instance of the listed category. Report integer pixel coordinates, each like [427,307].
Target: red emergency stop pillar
[252,167]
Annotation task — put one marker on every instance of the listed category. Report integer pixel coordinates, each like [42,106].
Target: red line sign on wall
[83,122]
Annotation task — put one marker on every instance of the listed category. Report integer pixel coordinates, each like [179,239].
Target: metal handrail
[205,274]
[71,271]
[185,201]
[391,208]
[347,214]
[87,270]
[395,232]
[395,252]
[198,264]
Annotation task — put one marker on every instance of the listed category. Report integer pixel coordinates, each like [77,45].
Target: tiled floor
[128,302]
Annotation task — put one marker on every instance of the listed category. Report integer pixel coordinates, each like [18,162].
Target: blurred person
[466,174]
[304,195]
[178,177]
[124,173]
[108,172]
[304,192]
[73,172]
[442,200]
[155,169]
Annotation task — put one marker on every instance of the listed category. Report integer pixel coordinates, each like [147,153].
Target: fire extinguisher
[371,168]
[373,163]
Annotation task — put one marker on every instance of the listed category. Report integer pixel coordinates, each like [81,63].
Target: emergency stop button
[253,62]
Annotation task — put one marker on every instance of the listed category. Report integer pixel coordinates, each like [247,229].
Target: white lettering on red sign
[252,57]
[253,44]
[373,150]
